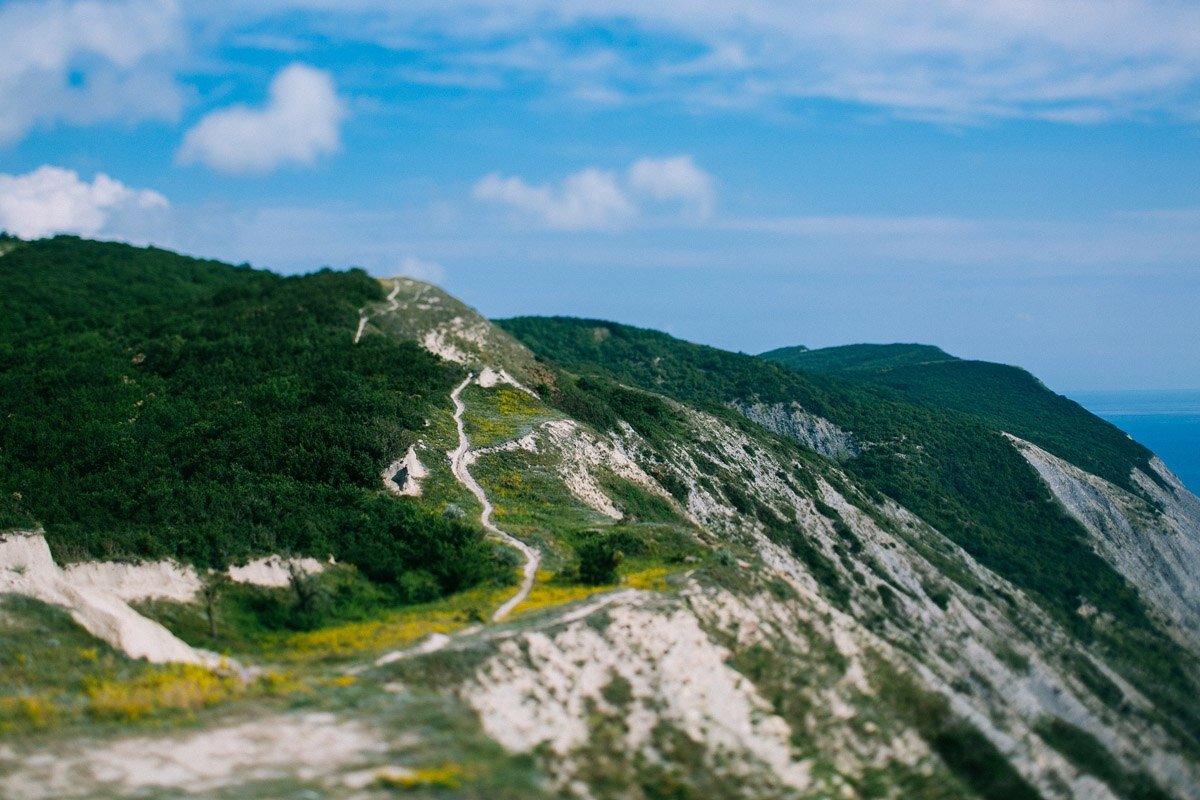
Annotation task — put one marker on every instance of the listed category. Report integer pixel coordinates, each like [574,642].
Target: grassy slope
[949,467]
[1003,398]
[152,405]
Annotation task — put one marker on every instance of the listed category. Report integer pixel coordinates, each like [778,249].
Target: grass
[500,414]
[177,687]
[1090,756]
[242,635]
[54,674]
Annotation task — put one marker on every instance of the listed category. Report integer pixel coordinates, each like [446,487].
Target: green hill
[948,466]
[157,405]
[1001,397]
[854,358]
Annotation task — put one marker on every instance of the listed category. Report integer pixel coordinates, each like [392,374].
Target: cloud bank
[53,200]
[1077,61]
[300,122]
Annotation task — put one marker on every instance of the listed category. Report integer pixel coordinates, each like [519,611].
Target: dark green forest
[156,405]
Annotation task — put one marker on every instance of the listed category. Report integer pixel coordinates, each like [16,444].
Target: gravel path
[458,465]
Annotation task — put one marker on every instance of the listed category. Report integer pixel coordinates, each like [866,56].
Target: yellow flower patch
[445,776]
[179,687]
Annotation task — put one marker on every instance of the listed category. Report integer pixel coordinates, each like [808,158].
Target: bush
[598,561]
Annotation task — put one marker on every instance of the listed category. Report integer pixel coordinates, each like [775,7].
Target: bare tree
[303,585]
[211,586]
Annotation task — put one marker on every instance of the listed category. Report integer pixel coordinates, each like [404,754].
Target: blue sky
[1009,179]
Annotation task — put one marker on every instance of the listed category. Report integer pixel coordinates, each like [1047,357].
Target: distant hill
[1002,397]
[851,358]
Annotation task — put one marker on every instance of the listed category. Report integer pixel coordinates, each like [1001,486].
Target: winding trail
[458,465]
[393,304]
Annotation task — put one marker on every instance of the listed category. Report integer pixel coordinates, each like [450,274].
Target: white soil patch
[148,580]
[317,747]
[414,471]
[97,593]
[583,455]
[27,568]
[489,377]
[541,688]
[438,343]
[273,571]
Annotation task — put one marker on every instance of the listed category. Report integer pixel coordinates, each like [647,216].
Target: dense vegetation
[1002,397]
[155,405]
[949,467]
[853,358]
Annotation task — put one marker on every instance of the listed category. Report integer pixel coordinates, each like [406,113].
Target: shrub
[598,561]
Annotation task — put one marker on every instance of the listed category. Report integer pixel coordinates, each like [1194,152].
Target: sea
[1166,422]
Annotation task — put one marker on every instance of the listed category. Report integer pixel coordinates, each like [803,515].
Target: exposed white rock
[310,747]
[459,339]
[812,431]
[273,571]
[97,593]
[584,455]
[413,471]
[538,690]
[146,580]
[27,568]
[489,377]
[438,343]
[1155,549]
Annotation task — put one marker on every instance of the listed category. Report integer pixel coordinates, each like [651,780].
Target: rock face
[27,568]
[97,593]
[742,676]
[792,421]
[1152,540]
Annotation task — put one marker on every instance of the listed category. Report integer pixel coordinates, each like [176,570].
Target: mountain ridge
[752,581]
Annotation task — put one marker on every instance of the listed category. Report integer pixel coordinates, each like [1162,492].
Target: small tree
[303,586]
[211,586]
[598,561]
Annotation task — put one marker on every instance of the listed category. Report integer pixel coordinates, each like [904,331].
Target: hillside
[1002,397]
[570,558]
[858,358]
[156,405]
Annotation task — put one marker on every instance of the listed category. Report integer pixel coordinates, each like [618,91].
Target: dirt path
[393,304]
[458,465]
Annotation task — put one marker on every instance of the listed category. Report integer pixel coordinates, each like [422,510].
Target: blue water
[1166,422]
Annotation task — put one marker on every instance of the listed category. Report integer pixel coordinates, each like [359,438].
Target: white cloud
[674,179]
[300,122]
[1074,61]
[54,200]
[596,199]
[589,199]
[422,270]
[86,62]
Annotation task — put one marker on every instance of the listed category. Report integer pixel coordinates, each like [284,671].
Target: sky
[1013,180]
